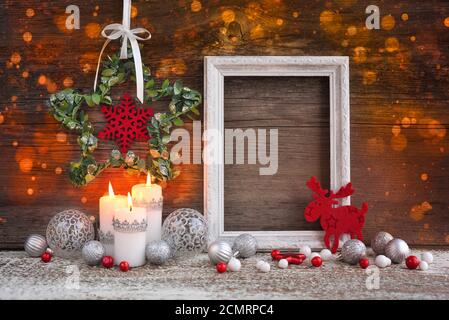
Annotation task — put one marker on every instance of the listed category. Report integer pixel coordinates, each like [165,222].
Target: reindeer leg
[326,239]
[336,242]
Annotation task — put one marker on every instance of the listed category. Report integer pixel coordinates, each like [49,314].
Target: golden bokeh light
[15,143]
[15,58]
[44,165]
[419,211]
[2,118]
[387,22]
[228,16]
[68,82]
[257,32]
[279,22]
[30,12]
[42,80]
[436,129]
[330,21]
[30,191]
[398,143]
[392,44]
[352,31]
[93,30]
[396,130]
[424,177]
[25,74]
[446,22]
[253,11]
[369,77]
[26,165]
[360,54]
[405,122]
[27,36]
[134,11]
[58,170]
[195,6]
[83,200]
[412,38]
[61,137]
[404,16]
[295,14]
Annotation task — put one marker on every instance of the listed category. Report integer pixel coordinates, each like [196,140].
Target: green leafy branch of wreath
[69,108]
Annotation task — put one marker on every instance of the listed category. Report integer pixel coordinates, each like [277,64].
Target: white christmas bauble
[427,257]
[283,264]
[326,254]
[234,265]
[263,266]
[423,265]
[382,261]
[305,249]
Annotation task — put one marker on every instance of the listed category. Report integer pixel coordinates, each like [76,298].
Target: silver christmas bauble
[397,250]
[219,251]
[68,231]
[379,241]
[93,251]
[35,245]
[185,231]
[157,252]
[352,251]
[246,245]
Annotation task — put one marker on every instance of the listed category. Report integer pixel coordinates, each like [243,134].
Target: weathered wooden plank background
[399,97]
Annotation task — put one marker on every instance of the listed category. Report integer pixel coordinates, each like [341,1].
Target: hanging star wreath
[70,108]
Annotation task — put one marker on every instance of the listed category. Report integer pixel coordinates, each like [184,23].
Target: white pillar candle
[149,196]
[108,204]
[130,226]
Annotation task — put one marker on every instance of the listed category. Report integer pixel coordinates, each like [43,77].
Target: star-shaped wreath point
[126,123]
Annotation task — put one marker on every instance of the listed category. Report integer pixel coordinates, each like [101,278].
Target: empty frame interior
[298,107]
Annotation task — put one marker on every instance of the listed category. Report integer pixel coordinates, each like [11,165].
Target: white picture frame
[216,68]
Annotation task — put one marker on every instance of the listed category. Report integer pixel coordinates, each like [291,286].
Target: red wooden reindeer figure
[335,221]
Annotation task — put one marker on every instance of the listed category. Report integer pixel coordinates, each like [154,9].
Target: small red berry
[46,257]
[221,267]
[124,266]
[317,261]
[364,263]
[107,262]
[412,262]
[275,253]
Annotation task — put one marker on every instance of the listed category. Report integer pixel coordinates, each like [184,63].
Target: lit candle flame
[130,202]
[111,191]
[148,179]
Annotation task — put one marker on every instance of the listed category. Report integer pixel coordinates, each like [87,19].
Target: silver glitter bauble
[219,251]
[93,251]
[68,231]
[35,245]
[157,252]
[379,241]
[185,231]
[397,250]
[352,251]
[246,245]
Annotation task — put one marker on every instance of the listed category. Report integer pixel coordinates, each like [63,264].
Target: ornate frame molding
[218,67]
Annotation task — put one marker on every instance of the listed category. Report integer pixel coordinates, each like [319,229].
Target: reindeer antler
[314,185]
[343,192]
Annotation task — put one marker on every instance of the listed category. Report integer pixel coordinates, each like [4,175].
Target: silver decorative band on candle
[106,238]
[154,204]
[126,227]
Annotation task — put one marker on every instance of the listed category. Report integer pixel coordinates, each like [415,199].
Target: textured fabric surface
[22,277]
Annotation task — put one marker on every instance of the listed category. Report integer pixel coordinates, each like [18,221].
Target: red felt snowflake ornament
[126,123]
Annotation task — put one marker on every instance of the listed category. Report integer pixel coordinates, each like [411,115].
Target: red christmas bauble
[221,267]
[107,262]
[46,257]
[275,254]
[124,266]
[316,261]
[364,263]
[412,262]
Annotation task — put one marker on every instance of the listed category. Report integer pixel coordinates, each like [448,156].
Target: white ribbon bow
[116,31]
